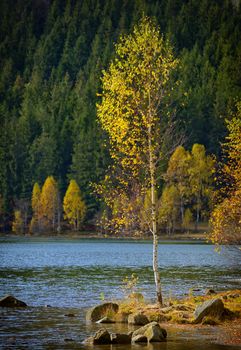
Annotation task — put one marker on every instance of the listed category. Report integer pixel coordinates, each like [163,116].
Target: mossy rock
[138,319]
[212,308]
[152,331]
[103,310]
[101,337]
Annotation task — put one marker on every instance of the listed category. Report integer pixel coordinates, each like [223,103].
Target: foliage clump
[226,216]
[73,205]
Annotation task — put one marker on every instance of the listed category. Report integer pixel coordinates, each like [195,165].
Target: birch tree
[135,92]
[35,224]
[178,176]
[74,206]
[49,203]
[201,176]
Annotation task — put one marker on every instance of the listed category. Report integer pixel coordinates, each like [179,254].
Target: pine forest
[79,80]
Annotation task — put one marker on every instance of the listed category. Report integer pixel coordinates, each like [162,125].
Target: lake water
[72,275]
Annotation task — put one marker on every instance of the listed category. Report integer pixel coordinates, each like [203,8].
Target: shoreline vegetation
[182,237]
[222,321]
[214,318]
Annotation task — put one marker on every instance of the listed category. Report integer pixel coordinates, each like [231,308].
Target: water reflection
[71,275]
[51,328]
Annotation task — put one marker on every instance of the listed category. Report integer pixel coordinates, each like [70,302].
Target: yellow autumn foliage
[36,208]
[73,205]
[18,224]
[226,217]
[49,205]
[134,89]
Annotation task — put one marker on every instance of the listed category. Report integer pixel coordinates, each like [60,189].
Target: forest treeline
[52,54]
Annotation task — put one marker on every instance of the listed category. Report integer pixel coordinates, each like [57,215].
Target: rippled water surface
[70,275]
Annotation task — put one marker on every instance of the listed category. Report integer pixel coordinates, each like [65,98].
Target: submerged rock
[10,301]
[137,319]
[103,310]
[212,308]
[70,315]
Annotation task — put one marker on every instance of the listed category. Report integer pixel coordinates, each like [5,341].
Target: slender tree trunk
[154,222]
[59,214]
[197,217]
[53,217]
[197,213]
[182,214]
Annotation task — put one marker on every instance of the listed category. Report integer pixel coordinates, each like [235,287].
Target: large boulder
[211,308]
[155,333]
[120,338]
[103,310]
[152,331]
[102,337]
[137,319]
[10,301]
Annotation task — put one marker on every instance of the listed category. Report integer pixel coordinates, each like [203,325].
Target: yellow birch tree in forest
[49,202]
[201,177]
[74,206]
[135,93]
[226,216]
[168,208]
[35,225]
[18,223]
[177,175]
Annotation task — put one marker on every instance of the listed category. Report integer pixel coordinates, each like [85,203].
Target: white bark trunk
[154,220]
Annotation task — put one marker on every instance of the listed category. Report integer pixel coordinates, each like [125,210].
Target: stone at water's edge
[152,331]
[100,311]
[10,301]
[101,337]
[139,339]
[120,338]
[137,319]
[213,308]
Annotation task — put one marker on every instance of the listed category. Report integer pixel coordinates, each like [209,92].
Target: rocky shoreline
[213,309]
[214,316]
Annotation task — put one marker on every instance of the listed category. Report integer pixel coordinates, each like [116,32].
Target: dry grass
[181,311]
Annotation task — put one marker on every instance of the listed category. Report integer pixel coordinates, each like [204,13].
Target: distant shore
[180,237]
